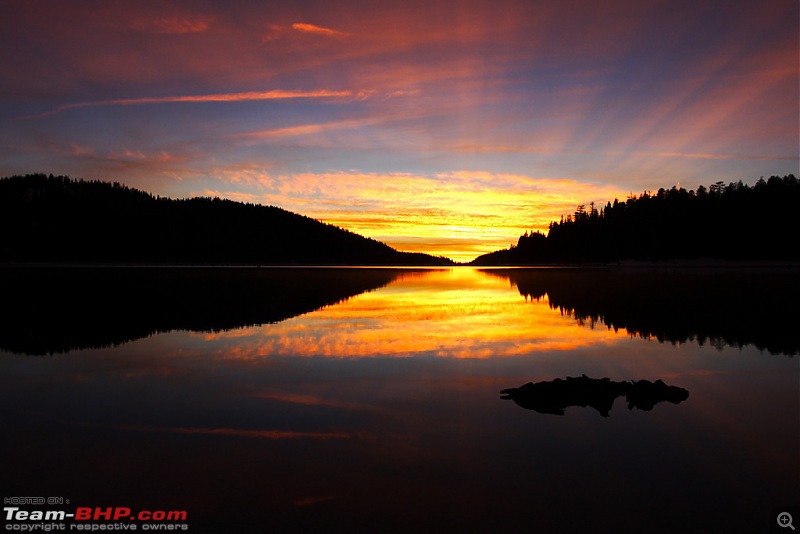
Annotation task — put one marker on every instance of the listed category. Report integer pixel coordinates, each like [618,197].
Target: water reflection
[445,313]
[381,413]
[461,312]
[56,309]
[730,307]
[457,313]
[554,396]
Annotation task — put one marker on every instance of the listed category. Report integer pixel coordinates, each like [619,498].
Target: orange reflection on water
[455,313]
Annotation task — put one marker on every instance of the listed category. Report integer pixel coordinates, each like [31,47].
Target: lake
[369,400]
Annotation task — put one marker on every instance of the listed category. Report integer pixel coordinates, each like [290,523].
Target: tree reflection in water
[733,307]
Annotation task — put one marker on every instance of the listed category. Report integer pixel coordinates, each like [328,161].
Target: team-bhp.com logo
[87,518]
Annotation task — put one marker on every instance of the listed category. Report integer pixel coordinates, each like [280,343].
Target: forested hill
[58,219]
[727,222]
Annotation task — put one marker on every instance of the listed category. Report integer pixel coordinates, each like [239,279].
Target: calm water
[369,399]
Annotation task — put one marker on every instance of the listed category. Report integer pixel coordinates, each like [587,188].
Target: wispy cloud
[317,30]
[124,157]
[305,129]
[172,25]
[312,400]
[276,31]
[247,96]
[697,155]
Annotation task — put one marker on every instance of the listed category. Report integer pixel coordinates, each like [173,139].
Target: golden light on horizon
[459,215]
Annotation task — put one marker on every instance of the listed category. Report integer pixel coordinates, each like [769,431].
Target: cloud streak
[173,25]
[240,432]
[246,96]
[317,30]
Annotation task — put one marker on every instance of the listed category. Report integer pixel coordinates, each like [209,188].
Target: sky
[445,127]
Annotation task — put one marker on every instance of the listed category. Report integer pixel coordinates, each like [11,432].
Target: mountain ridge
[58,219]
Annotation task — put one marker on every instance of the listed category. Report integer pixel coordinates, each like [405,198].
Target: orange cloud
[317,30]
[276,31]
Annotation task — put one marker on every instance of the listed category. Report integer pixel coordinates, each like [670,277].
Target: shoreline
[706,263]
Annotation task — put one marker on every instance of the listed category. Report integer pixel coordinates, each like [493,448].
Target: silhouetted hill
[733,222]
[57,219]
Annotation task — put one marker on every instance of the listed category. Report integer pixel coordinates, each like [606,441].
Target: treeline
[61,220]
[729,222]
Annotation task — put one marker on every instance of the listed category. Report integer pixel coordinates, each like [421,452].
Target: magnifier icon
[785,520]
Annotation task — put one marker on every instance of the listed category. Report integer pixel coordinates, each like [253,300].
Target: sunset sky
[442,127]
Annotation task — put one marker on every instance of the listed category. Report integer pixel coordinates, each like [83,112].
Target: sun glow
[459,215]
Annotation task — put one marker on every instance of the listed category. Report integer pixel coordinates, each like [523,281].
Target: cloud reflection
[245,433]
[457,313]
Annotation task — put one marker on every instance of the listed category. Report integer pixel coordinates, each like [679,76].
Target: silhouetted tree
[733,222]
